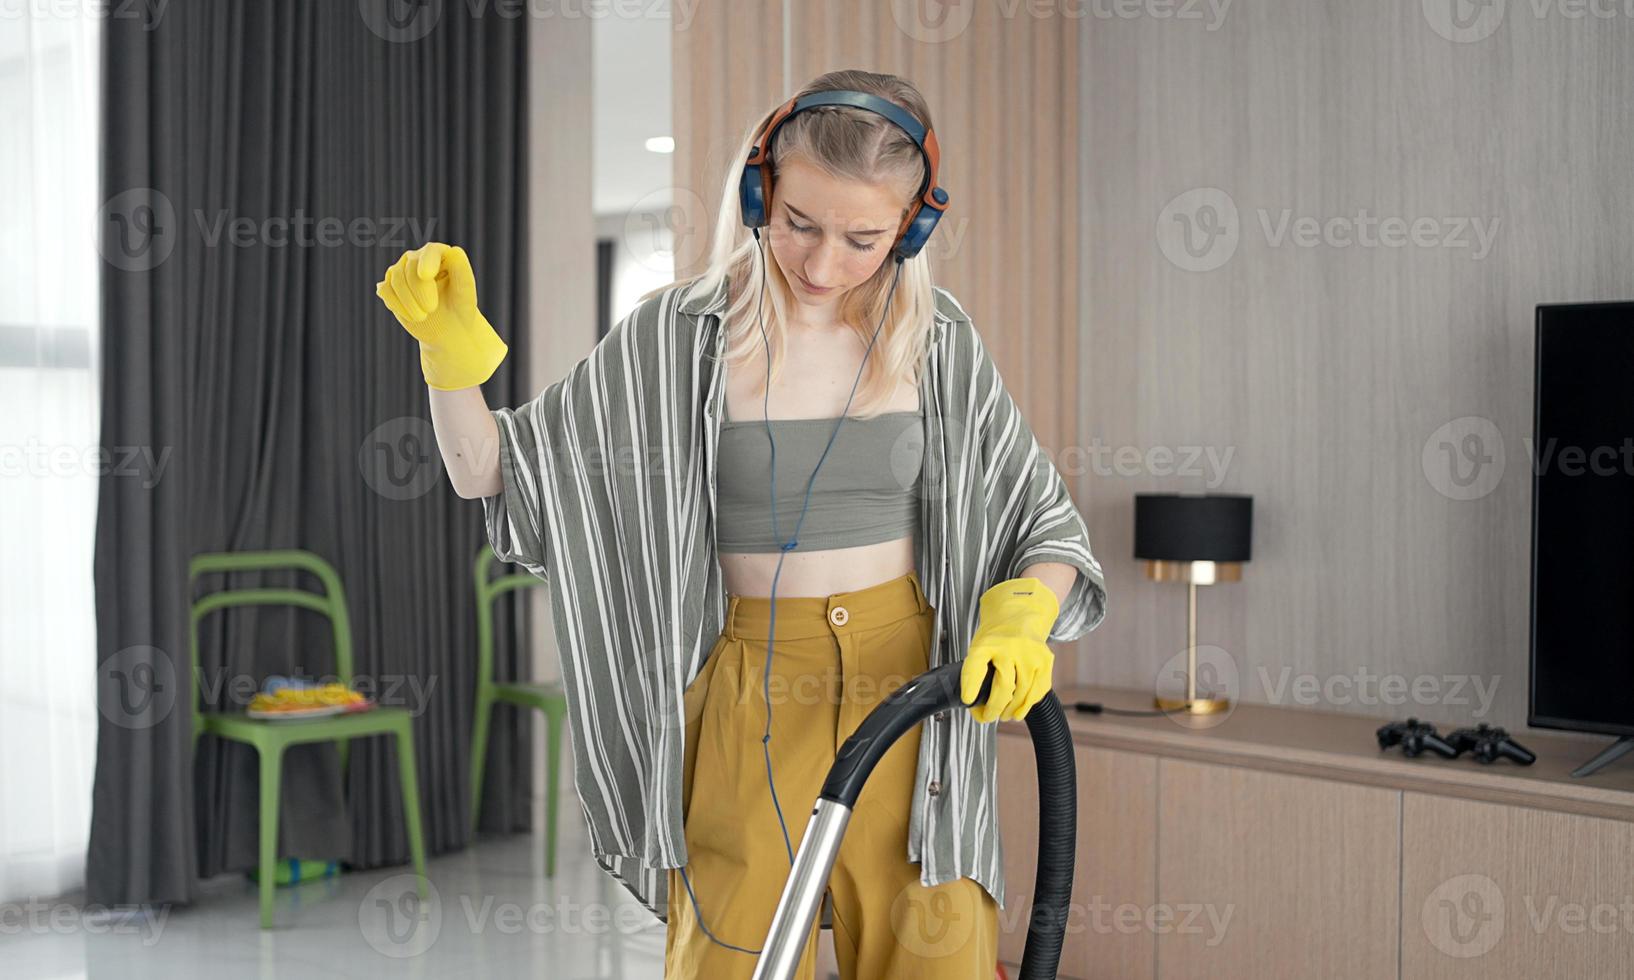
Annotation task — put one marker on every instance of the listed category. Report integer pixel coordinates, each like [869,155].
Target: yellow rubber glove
[433,293]
[1016,616]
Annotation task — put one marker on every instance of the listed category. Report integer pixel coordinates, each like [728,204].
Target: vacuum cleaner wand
[933,691]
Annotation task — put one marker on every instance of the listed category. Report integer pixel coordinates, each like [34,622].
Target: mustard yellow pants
[836,657]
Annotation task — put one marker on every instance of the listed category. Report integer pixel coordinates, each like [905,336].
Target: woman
[668,489]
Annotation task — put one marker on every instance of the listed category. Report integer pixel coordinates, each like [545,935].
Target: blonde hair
[848,144]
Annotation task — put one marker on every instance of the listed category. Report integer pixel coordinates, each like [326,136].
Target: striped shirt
[609,495]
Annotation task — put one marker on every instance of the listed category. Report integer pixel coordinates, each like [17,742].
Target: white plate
[317,712]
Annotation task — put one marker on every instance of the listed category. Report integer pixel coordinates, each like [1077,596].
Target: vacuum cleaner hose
[933,691]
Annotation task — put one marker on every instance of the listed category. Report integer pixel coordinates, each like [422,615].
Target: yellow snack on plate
[305,699]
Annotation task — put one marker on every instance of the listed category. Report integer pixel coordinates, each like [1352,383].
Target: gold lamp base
[1193,573]
[1194,706]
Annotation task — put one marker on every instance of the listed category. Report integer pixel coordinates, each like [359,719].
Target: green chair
[271,738]
[548,698]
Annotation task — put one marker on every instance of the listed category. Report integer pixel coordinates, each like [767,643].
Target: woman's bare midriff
[817,573]
[829,362]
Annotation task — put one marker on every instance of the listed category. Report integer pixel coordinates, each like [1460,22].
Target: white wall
[643,257]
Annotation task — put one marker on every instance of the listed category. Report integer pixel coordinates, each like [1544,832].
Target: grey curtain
[263,163]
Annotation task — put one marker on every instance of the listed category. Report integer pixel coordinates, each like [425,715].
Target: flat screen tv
[1582,459]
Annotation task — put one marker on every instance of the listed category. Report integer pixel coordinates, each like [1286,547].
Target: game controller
[1414,737]
[1489,744]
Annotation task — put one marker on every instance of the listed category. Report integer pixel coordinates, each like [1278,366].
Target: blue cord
[784,549]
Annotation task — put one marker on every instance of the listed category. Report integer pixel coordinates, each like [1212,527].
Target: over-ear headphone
[755,187]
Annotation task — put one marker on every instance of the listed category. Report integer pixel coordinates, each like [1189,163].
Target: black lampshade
[1193,527]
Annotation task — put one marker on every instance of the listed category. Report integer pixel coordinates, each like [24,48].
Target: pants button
[838,616]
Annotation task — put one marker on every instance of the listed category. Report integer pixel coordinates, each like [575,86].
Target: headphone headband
[755,186]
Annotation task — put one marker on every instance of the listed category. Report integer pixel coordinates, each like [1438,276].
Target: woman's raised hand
[433,293]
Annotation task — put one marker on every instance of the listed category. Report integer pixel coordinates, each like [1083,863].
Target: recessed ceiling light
[661,144]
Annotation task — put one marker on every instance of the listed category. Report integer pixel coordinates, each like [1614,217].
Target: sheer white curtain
[49,368]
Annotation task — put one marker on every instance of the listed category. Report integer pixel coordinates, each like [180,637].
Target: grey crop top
[867,491]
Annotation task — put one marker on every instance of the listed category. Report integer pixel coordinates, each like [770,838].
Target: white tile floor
[493,914]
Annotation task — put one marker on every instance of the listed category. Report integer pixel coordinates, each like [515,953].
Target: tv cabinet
[1282,843]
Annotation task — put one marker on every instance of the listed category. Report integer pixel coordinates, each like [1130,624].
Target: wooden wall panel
[1325,371]
[727,66]
[1292,877]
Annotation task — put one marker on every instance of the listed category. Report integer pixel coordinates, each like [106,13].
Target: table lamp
[1199,539]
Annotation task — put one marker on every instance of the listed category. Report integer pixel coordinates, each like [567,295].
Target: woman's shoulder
[947,307]
[955,327]
[666,308]
[698,295]
[692,296]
